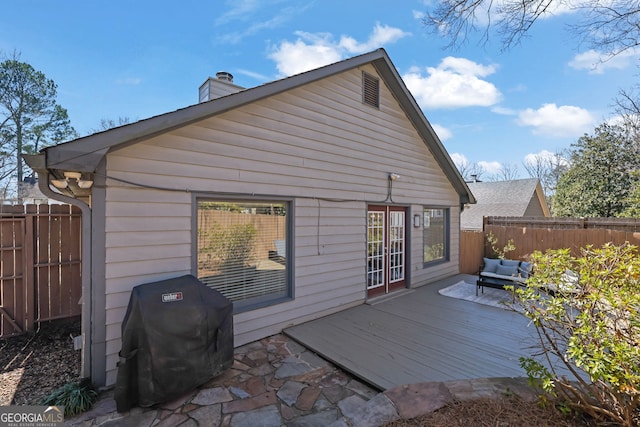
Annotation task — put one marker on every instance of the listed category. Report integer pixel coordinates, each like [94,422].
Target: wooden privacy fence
[535,233]
[40,269]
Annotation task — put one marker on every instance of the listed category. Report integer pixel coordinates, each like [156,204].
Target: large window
[435,234]
[243,250]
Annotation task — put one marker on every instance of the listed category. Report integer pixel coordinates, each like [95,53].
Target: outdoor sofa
[498,273]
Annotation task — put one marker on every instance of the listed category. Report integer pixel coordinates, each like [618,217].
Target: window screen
[242,250]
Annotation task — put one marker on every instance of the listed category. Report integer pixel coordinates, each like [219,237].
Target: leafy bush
[496,251]
[76,397]
[227,247]
[586,311]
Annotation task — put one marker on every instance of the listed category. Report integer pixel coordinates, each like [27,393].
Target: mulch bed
[34,364]
[485,412]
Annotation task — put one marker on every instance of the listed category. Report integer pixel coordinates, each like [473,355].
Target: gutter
[37,162]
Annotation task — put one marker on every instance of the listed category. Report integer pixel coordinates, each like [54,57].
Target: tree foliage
[611,26]
[602,178]
[30,118]
[586,311]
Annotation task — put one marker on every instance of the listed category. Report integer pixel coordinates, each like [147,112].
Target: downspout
[37,162]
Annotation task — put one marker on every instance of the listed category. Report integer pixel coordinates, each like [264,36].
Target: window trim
[258,302]
[447,236]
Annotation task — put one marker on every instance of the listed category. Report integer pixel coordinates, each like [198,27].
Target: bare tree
[106,124]
[470,171]
[547,168]
[507,172]
[611,26]
[627,105]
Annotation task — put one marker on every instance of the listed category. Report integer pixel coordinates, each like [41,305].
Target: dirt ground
[34,364]
[506,412]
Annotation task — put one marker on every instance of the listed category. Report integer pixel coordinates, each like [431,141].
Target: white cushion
[502,277]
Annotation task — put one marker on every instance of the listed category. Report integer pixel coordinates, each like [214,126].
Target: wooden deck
[421,336]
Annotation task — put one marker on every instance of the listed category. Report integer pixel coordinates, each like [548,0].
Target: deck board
[420,336]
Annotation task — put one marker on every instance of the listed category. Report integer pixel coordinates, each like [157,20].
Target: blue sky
[142,58]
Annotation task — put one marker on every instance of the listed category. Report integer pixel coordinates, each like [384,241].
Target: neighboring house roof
[520,197]
[84,154]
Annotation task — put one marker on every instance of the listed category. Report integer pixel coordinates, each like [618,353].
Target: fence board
[531,234]
[40,275]
[471,250]
[12,296]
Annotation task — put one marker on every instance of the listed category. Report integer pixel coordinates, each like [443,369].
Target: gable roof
[502,198]
[84,154]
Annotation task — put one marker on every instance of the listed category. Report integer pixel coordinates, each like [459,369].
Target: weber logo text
[172,297]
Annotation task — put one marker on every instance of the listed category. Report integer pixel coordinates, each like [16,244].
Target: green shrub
[75,397]
[586,311]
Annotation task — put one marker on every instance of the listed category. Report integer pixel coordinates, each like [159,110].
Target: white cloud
[253,75]
[313,50]
[597,62]
[455,82]
[459,160]
[256,16]
[490,167]
[240,10]
[542,155]
[381,36]
[504,111]
[551,120]
[129,81]
[308,52]
[442,132]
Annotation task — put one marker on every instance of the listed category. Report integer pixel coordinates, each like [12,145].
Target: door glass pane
[396,246]
[375,249]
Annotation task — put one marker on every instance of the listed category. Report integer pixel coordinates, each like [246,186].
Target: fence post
[31,212]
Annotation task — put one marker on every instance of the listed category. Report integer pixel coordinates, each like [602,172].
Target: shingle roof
[499,198]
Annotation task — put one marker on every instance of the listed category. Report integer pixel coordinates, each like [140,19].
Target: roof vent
[223,75]
[370,90]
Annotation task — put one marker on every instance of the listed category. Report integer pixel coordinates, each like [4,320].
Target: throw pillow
[507,270]
[510,262]
[491,265]
[525,269]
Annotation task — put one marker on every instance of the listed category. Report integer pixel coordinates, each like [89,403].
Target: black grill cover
[176,335]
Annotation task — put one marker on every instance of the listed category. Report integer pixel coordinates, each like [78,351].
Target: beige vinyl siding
[311,143]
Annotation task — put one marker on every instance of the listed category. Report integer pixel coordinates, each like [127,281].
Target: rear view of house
[295,199]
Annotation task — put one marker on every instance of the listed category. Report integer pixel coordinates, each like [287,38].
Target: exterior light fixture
[70,177]
[60,183]
[416,220]
[85,183]
[73,175]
